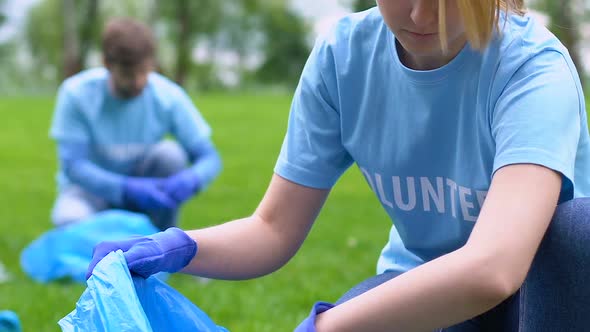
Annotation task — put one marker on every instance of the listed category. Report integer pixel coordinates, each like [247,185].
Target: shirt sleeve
[537,118]
[188,125]
[312,153]
[206,164]
[75,164]
[68,123]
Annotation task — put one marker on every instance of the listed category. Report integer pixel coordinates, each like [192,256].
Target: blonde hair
[480,18]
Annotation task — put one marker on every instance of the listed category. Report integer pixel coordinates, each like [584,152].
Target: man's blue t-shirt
[117,131]
[429,142]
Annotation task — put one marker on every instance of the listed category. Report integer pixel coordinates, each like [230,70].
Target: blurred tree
[140,9]
[197,40]
[71,42]
[240,30]
[285,45]
[15,76]
[360,5]
[61,33]
[2,12]
[187,21]
[4,47]
[89,30]
[79,32]
[44,29]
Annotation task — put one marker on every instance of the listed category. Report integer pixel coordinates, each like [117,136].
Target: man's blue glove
[308,324]
[181,186]
[167,251]
[145,194]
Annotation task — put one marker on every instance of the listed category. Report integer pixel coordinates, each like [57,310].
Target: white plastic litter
[4,275]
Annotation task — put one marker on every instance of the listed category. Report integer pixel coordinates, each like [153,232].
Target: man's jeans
[555,296]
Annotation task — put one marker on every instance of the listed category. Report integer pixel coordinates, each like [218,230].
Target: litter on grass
[4,275]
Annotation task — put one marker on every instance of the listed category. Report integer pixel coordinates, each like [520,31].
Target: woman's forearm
[260,244]
[241,249]
[441,293]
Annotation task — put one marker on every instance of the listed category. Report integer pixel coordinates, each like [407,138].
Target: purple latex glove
[167,251]
[308,324]
[145,194]
[181,186]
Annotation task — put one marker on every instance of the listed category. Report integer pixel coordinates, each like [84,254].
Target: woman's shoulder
[522,38]
[362,26]
[523,42]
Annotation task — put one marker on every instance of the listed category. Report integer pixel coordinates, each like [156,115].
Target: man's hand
[181,186]
[145,194]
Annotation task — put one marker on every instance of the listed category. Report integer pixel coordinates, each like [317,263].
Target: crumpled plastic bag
[9,322]
[66,252]
[114,301]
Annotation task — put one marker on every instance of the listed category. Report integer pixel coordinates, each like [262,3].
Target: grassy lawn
[248,130]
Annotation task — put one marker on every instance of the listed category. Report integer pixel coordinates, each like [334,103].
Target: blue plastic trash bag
[67,251]
[113,301]
[9,322]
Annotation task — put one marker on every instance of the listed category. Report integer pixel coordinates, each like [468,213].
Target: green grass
[248,129]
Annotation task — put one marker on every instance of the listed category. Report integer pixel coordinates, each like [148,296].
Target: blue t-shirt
[118,131]
[429,142]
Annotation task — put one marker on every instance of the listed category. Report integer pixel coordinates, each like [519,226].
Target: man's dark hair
[127,42]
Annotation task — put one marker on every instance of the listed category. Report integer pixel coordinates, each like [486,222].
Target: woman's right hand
[168,251]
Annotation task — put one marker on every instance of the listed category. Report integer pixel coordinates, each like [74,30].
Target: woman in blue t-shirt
[468,122]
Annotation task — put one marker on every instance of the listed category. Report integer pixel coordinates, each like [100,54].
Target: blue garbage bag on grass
[9,322]
[114,301]
[66,252]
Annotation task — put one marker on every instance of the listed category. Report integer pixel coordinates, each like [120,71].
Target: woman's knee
[556,290]
[367,285]
[570,225]
[566,245]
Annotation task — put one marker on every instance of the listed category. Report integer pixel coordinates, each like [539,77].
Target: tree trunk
[183,49]
[154,15]
[71,42]
[87,31]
